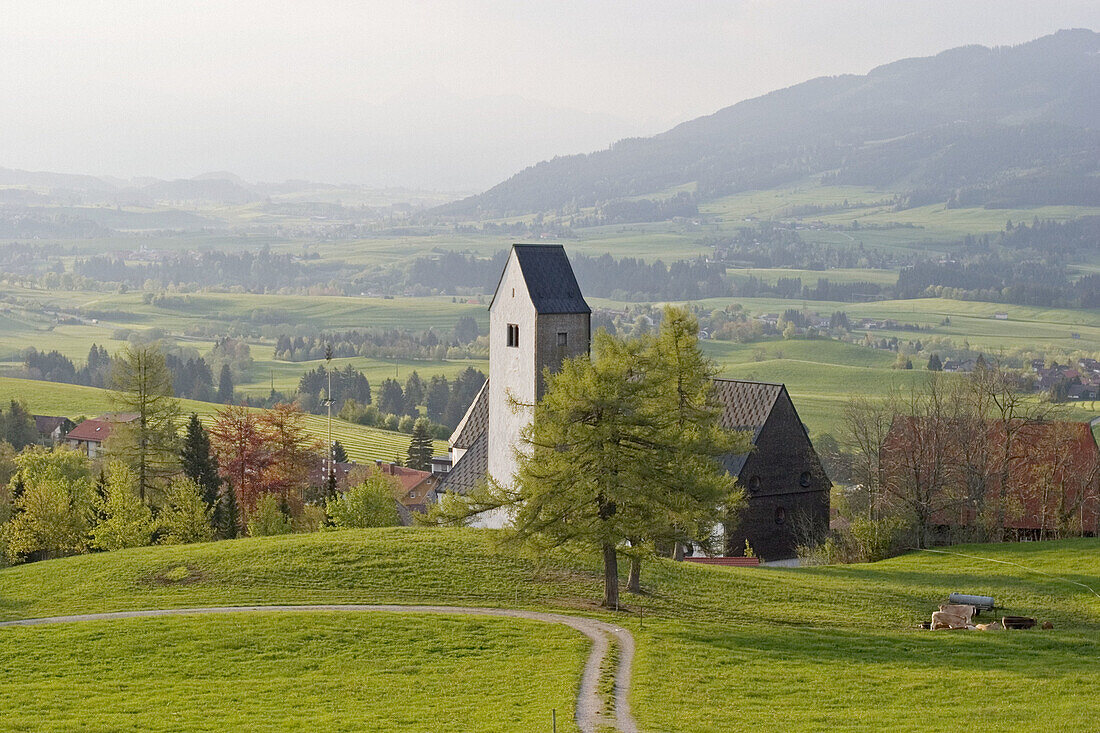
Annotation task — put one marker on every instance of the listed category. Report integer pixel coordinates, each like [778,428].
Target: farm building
[90,435]
[538,318]
[1033,479]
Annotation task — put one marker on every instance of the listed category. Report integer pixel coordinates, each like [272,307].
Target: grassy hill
[718,649]
[362,443]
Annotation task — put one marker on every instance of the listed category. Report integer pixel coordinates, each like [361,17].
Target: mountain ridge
[962,105]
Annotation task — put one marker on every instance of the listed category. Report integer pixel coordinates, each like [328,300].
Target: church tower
[537,319]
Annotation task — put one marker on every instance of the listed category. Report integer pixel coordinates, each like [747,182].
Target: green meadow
[332,671]
[717,648]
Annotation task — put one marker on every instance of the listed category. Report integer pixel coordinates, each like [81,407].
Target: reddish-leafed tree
[243,446]
[293,453]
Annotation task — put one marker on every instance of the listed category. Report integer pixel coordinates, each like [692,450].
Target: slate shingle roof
[550,280]
[475,422]
[471,469]
[745,406]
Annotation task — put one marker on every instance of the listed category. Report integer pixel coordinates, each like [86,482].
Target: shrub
[268,518]
[126,522]
[370,504]
[186,515]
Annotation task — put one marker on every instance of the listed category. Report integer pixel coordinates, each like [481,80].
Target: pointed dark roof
[470,471]
[745,406]
[550,280]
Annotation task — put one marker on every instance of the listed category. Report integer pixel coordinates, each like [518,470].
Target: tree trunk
[610,576]
[677,551]
[634,579]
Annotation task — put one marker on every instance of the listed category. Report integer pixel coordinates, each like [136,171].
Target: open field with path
[798,649]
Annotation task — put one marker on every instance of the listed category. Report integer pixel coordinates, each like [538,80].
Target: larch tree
[698,494]
[239,441]
[142,386]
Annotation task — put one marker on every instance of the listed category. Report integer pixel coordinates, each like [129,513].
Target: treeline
[769,245]
[377,342]
[253,271]
[793,287]
[626,278]
[193,376]
[395,407]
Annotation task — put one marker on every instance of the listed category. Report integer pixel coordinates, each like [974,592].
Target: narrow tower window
[563,338]
[513,334]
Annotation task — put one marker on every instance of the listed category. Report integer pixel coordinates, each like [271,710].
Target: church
[538,318]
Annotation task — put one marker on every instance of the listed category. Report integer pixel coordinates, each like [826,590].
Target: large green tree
[148,443]
[699,495]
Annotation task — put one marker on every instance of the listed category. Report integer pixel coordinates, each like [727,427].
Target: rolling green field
[717,649]
[46,398]
[375,671]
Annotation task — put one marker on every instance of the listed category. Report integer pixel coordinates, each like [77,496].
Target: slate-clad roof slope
[475,422]
[745,406]
[550,280]
[471,469]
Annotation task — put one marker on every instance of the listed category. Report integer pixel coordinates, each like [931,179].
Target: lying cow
[953,616]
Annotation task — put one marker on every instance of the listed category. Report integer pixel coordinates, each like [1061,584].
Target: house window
[563,338]
[804,479]
[513,334]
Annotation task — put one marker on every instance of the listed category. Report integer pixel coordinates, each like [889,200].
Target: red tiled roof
[91,430]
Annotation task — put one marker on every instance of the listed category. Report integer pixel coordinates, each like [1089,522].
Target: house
[90,435]
[1048,474]
[416,489]
[538,318]
[52,429]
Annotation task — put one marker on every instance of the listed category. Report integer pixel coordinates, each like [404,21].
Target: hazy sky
[446,95]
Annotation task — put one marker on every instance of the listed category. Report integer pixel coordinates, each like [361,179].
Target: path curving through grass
[589,710]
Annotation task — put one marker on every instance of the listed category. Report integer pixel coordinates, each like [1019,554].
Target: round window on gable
[804,479]
[780,515]
[754,484]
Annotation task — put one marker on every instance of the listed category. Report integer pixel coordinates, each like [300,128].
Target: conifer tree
[421,447]
[198,463]
[339,455]
[227,515]
[149,442]
[225,385]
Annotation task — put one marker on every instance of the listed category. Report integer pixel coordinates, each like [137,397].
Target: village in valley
[780,416]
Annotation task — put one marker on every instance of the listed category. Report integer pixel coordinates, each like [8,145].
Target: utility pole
[331,478]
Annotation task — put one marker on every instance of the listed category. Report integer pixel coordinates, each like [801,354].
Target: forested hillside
[973,126]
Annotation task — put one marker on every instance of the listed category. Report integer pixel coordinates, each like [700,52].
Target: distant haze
[441,95]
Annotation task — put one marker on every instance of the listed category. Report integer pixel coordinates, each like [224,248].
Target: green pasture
[327,671]
[718,649]
[362,443]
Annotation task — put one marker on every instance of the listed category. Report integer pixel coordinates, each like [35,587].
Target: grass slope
[48,398]
[328,671]
[718,648]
